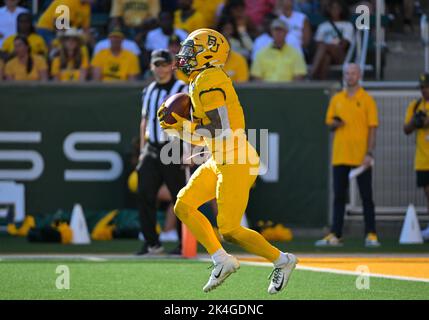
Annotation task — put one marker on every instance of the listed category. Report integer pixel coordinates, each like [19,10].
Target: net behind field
[394,179]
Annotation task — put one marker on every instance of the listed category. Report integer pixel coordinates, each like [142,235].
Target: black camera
[419,119]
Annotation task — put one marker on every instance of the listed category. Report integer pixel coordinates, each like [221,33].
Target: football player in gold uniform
[218,122]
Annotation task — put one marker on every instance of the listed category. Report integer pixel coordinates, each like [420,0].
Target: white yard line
[334,271]
[94,259]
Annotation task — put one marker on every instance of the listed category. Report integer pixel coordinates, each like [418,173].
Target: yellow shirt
[37,44]
[118,67]
[134,12]
[359,113]
[236,67]
[69,73]
[80,14]
[278,65]
[208,9]
[194,22]
[212,89]
[18,71]
[421,160]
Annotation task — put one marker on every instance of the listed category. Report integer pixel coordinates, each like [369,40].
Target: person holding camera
[352,116]
[416,119]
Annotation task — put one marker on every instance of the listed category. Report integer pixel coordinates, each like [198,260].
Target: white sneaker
[280,275]
[220,272]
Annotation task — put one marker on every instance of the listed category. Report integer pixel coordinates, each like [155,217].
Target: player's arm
[218,124]
[214,105]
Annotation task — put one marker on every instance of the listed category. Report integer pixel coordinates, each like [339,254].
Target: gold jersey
[212,89]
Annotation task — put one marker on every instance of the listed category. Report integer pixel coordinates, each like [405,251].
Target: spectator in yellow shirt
[187,18]
[71,64]
[208,9]
[135,12]
[352,116]
[25,66]
[115,64]
[25,28]
[236,67]
[80,17]
[278,62]
[417,120]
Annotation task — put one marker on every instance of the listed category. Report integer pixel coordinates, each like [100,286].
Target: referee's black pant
[152,174]
[341,184]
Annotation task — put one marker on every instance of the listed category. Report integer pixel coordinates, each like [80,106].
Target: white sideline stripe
[335,271]
[95,259]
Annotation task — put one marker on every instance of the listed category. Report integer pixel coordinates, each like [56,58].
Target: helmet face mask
[186,59]
[201,50]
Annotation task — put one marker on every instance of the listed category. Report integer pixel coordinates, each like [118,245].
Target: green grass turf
[10,244]
[183,279]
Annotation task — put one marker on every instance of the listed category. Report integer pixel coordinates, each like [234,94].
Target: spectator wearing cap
[187,18]
[80,17]
[417,120]
[25,28]
[152,171]
[115,64]
[333,39]
[8,18]
[297,22]
[25,66]
[278,62]
[71,64]
[159,37]
[353,118]
[265,39]
[135,12]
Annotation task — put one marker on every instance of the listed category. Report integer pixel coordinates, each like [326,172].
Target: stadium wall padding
[299,198]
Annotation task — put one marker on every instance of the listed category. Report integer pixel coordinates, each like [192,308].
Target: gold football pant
[230,185]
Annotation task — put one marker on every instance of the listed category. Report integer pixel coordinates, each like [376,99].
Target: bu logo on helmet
[212,43]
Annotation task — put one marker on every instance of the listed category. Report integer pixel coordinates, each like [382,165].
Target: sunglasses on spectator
[161,64]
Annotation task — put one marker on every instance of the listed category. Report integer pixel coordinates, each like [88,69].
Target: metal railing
[394,179]
[424,30]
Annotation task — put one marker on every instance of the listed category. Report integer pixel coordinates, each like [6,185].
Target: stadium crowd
[271,40]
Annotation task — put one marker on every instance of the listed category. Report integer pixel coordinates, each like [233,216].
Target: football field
[122,277]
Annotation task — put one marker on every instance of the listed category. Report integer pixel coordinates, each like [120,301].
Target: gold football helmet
[202,48]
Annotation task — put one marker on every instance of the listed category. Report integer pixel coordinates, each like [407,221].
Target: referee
[151,171]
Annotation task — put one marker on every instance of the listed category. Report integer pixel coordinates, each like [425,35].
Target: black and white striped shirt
[153,96]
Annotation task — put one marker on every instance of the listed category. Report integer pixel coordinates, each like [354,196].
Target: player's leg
[200,189]
[232,195]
